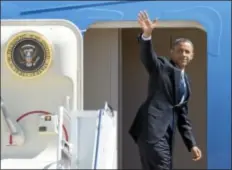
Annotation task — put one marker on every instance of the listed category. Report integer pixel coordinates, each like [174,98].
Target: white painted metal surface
[80,143]
[97,144]
[46,92]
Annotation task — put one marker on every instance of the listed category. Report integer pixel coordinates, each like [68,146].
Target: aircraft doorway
[113,72]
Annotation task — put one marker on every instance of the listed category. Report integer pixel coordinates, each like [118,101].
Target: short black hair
[181,40]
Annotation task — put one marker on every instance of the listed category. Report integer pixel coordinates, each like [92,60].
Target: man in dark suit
[166,106]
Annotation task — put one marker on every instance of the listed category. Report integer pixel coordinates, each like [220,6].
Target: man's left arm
[185,128]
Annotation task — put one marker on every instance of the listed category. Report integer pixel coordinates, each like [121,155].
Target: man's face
[182,54]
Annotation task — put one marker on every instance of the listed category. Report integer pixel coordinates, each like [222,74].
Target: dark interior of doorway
[134,87]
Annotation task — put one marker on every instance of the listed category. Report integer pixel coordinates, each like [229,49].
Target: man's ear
[192,55]
[171,51]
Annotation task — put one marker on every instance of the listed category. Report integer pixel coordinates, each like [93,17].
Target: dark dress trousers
[157,118]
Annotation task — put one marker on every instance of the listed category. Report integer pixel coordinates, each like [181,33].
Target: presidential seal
[28,54]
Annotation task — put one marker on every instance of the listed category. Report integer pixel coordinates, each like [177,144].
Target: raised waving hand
[146,24]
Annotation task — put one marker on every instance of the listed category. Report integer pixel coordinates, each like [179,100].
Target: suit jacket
[156,113]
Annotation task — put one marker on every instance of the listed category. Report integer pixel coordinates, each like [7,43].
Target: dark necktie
[182,87]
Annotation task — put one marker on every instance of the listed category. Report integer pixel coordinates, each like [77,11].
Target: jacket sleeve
[147,55]
[185,128]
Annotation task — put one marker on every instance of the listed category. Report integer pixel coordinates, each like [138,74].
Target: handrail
[9,122]
[98,139]
[66,113]
[14,128]
[60,136]
[106,110]
[62,112]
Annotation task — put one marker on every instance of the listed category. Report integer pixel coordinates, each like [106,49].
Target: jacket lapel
[188,87]
[177,76]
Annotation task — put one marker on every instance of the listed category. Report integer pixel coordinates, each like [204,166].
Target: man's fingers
[140,21]
[196,159]
[198,152]
[155,21]
[143,18]
[143,15]
[139,16]
[146,14]
[197,155]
